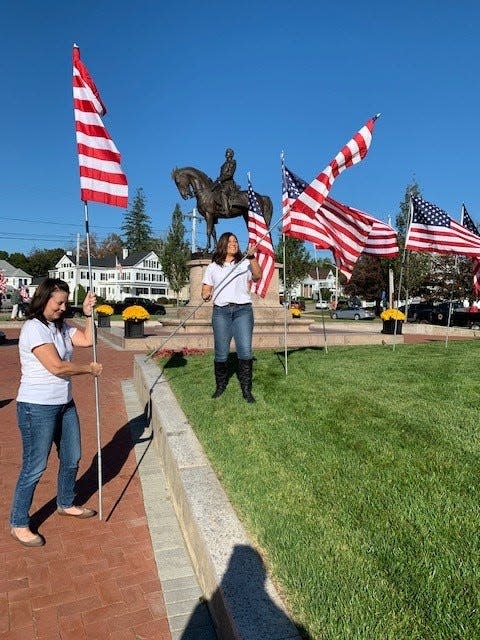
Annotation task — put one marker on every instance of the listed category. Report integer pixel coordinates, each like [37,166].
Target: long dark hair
[220,252]
[41,297]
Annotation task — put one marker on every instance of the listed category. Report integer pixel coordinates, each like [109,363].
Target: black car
[419,311]
[153,308]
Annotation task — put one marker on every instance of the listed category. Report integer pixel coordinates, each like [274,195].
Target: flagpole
[410,213]
[285,337]
[95,379]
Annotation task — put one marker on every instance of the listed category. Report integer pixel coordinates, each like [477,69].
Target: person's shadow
[251,612]
[114,455]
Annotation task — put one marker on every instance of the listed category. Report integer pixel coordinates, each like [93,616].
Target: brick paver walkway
[93,579]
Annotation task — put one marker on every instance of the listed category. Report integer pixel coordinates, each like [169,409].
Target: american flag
[259,235]
[346,233]
[468,223]
[3,282]
[101,176]
[344,230]
[299,225]
[312,197]
[433,231]
[382,239]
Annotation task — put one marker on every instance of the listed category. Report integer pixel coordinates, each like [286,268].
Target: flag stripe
[258,235]
[101,176]
[313,196]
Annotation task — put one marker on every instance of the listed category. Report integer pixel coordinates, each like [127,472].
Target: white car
[322,304]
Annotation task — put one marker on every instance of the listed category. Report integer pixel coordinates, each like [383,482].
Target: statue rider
[225,180]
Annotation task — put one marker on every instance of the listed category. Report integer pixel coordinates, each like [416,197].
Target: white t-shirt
[230,282]
[37,384]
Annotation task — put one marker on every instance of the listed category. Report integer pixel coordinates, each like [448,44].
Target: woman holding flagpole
[227,283]
[46,411]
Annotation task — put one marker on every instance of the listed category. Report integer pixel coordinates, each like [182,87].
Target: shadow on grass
[243,598]
[114,455]
[178,360]
[281,354]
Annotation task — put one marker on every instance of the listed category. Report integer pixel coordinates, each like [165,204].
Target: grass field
[357,477]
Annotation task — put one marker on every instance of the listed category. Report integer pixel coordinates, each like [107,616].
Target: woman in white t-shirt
[227,284]
[46,411]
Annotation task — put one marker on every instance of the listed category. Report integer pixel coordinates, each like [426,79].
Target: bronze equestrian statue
[221,198]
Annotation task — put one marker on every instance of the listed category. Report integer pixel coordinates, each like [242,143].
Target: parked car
[153,308]
[418,311]
[351,312]
[2,337]
[322,304]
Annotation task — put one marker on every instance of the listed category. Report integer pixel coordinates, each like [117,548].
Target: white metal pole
[194,230]
[285,337]
[95,379]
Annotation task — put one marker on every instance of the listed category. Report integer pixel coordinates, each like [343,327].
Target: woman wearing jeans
[227,283]
[45,410]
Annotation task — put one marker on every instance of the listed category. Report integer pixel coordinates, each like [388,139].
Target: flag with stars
[433,231]
[346,231]
[298,225]
[469,224]
[259,235]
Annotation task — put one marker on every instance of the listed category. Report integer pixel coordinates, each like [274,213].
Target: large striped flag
[101,176]
[433,231]
[346,233]
[259,235]
[469,224]
[312,197]
[382,239]
[345,230]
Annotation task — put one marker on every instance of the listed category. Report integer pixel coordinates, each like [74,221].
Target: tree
[136,227]
[176,253]
[92,244]
[20,261]
[417,266]
[297,261]
[369,279]
[112,245]
[41,260]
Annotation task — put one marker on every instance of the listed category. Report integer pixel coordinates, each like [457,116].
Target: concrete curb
[242,600]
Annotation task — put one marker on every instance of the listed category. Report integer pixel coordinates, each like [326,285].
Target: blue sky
[184,80]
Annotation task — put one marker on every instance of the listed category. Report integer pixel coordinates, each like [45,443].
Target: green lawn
[357,477]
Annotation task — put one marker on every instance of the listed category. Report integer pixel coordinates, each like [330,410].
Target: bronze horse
[192,182]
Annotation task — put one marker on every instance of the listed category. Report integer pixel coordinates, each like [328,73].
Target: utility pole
[193,216]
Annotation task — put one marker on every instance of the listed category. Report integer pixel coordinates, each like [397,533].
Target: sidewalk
[93,579]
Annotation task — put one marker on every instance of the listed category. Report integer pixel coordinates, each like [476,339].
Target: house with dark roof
[115,278]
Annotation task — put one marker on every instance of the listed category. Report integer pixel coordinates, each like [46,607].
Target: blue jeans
[233,321]
[41,425]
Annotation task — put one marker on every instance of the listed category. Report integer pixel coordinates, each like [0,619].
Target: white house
[15,277]
[318,278]
[113,278]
